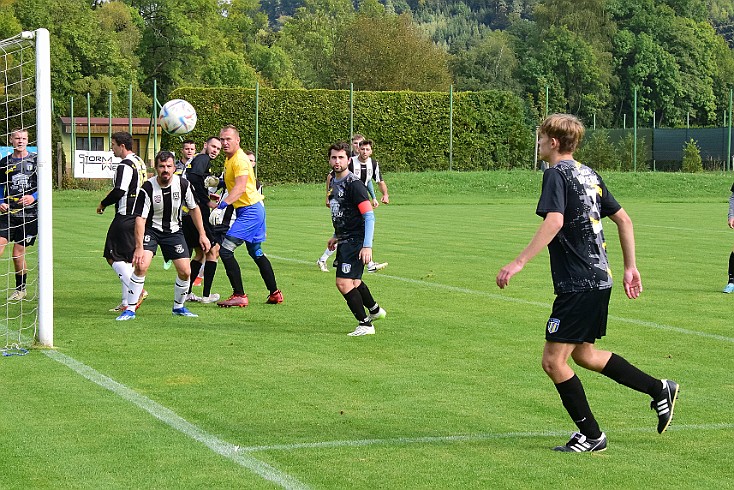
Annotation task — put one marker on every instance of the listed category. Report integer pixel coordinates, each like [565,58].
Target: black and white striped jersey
[129,176]
[162,206]
[365,170]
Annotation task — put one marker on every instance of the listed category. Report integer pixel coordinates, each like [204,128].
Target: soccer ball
[177,117]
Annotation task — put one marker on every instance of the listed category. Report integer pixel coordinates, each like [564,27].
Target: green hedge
[410,129]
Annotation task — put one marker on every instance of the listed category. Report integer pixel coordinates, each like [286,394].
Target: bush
[692,157]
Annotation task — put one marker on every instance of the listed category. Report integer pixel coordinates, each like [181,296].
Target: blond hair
[566,128]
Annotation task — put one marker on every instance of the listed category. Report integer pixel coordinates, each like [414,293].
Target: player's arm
[550,227]
[731,210]
[195,213]
[117,191]
[383,190]
[240,184]
[632,280]
[365,208]
[328,186]
[139,254]
[3,205]
[373,196]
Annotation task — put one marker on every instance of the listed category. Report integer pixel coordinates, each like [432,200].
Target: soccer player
[730,285]
[572,203]
[120,242]
[18,206]
[354,225]
[368,170]
[188,152]
[158,210]
[196,171]
[249,225]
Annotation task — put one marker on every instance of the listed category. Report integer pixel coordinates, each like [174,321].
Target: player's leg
[266,271]
[349,269]
[663,392]
[376,312]
[324,257]
[573,398]
[234,274]
[181,286]
[574,320]
[210,270]
[730,285]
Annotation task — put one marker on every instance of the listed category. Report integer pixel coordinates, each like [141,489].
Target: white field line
[510,299]
[461,438]
[170,418]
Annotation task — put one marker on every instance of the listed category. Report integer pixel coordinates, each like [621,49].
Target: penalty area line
[170,418]
[509,299]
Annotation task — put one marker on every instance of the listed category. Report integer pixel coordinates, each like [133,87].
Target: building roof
[101,125]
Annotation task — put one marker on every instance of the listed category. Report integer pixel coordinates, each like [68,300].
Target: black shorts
[120,243]
[173,245]
[579,317]
[347,262]
[19,229]
[191,234]
[218,233]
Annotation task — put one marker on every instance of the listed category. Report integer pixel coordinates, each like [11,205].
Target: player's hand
[204,243]
[385,199]
[375,203]
[27,200]
[365,255]
[331,244]
[632,283]
[504,275]
[328,205]
[4,208]
[731,222]
[138,256]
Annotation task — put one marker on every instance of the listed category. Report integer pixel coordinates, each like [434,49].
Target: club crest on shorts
[346,268]
[553,324]
[179,248]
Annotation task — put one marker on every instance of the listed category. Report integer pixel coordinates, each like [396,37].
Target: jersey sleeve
[553,196]
[607,204]
[143,201]
[188,196]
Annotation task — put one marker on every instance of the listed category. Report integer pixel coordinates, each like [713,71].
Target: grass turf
[448,394]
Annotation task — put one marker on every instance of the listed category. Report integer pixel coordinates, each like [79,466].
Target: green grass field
[448,394]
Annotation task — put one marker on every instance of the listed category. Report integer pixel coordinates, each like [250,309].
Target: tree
[490,64]
[388,53]
[308,39]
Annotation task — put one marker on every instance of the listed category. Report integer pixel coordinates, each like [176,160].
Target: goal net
[26,266]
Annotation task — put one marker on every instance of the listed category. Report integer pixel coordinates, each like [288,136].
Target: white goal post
[26,69]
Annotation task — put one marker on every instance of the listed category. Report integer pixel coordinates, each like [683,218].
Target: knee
[255,250]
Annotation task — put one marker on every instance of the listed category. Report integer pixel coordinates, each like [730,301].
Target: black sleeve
[200,191]
[115,194]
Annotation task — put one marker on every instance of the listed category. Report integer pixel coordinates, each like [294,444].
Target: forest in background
[589,56]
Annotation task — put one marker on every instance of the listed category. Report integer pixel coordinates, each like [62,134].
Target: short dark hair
[212,138]
[164,156]
[339,146]
[188,142]
[365,143]
[123,138]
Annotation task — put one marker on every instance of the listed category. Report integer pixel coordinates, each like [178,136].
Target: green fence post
[351,111]
[109,117]
[130,109]
[257,120]
[728,164]
[89,123]
[634,143]
[451,127]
